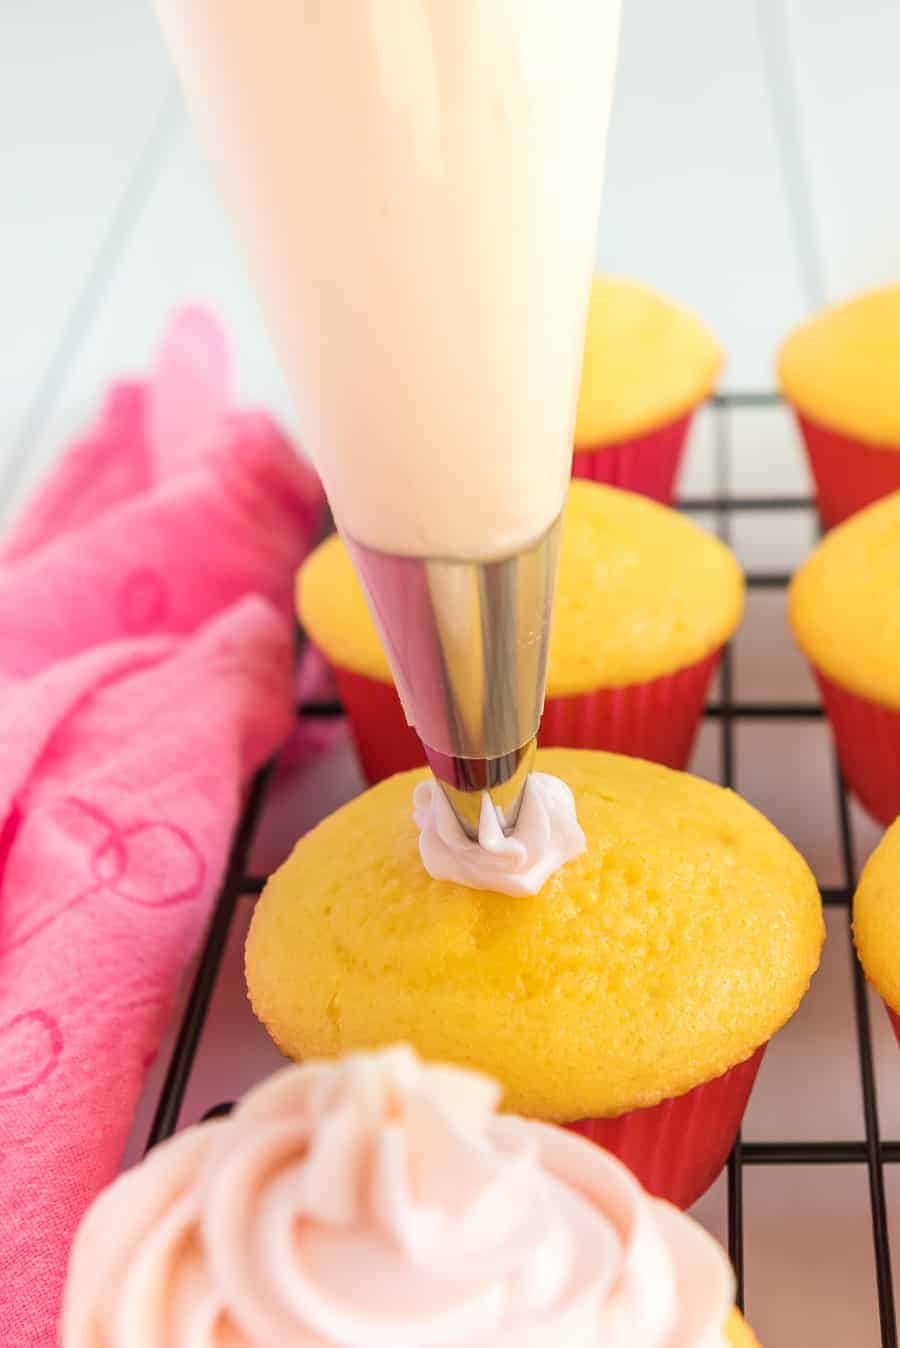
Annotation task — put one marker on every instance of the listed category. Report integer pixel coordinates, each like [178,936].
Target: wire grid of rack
[869,1151]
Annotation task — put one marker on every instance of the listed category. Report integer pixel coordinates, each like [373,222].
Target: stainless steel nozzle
[467,643]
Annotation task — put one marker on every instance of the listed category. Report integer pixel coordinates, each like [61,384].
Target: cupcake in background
[846,619]
[841,374]
[648,366]
[644,603]
[876,922]
[630,997]
[381,1203]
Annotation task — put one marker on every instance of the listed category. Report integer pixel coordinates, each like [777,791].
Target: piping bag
[417,185]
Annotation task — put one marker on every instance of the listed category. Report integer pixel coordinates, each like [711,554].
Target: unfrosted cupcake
[380,1203]
[644,603]
[648,365]
[631,997]
[841,373]
[876,922]
[846,619]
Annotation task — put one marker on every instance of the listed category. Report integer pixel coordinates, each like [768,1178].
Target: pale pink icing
[547,835]
[380,1203]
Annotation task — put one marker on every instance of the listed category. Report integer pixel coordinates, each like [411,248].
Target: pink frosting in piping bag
[381,1203]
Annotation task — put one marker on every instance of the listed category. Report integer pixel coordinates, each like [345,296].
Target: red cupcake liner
[647,464]
[657,720]
[895,1021]
[384,741]
[678,1147]
[849,474]
[867,738]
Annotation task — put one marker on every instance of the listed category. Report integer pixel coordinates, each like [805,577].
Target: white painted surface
[844,62]
[183,250]
[694,202]
[749,199]
[83,101]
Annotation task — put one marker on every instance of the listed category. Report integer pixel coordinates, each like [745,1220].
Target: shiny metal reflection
[467,643]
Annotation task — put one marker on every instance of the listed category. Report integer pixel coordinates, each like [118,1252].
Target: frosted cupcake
[876,922]
[648,365]
[379,1203]
[631,996]
[644,603]
[841,373]
[846,620]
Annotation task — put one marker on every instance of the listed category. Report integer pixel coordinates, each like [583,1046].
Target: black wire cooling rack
[869,1151]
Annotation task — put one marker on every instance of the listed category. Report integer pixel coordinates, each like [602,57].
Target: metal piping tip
[464,782]
[467,643]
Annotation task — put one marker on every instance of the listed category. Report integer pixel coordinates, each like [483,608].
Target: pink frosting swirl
[381,1203]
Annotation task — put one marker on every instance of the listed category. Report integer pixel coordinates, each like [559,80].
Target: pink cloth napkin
[145,671]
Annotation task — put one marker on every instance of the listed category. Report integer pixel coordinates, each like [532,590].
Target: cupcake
[845,618]
[648,365]
[644,603]
[840,373]
[876,922]
[380,1203]
[631,997]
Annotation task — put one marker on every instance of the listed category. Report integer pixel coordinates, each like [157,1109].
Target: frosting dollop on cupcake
[382,1203]
[547,835]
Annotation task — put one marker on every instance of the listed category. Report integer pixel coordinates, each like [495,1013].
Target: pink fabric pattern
[146,670]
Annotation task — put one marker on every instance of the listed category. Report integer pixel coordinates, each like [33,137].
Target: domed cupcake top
[842,369]
[680,941]
[379,1203]
[876,917]
[642,591]
[647,361]
[844,606]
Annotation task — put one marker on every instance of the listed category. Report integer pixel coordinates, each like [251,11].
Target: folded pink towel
[145,671]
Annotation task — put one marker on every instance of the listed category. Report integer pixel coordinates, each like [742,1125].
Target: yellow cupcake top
[876,917]
[842,369]
[647,361]
[642,592]
[679,942]
[843,603]
[738,1333]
